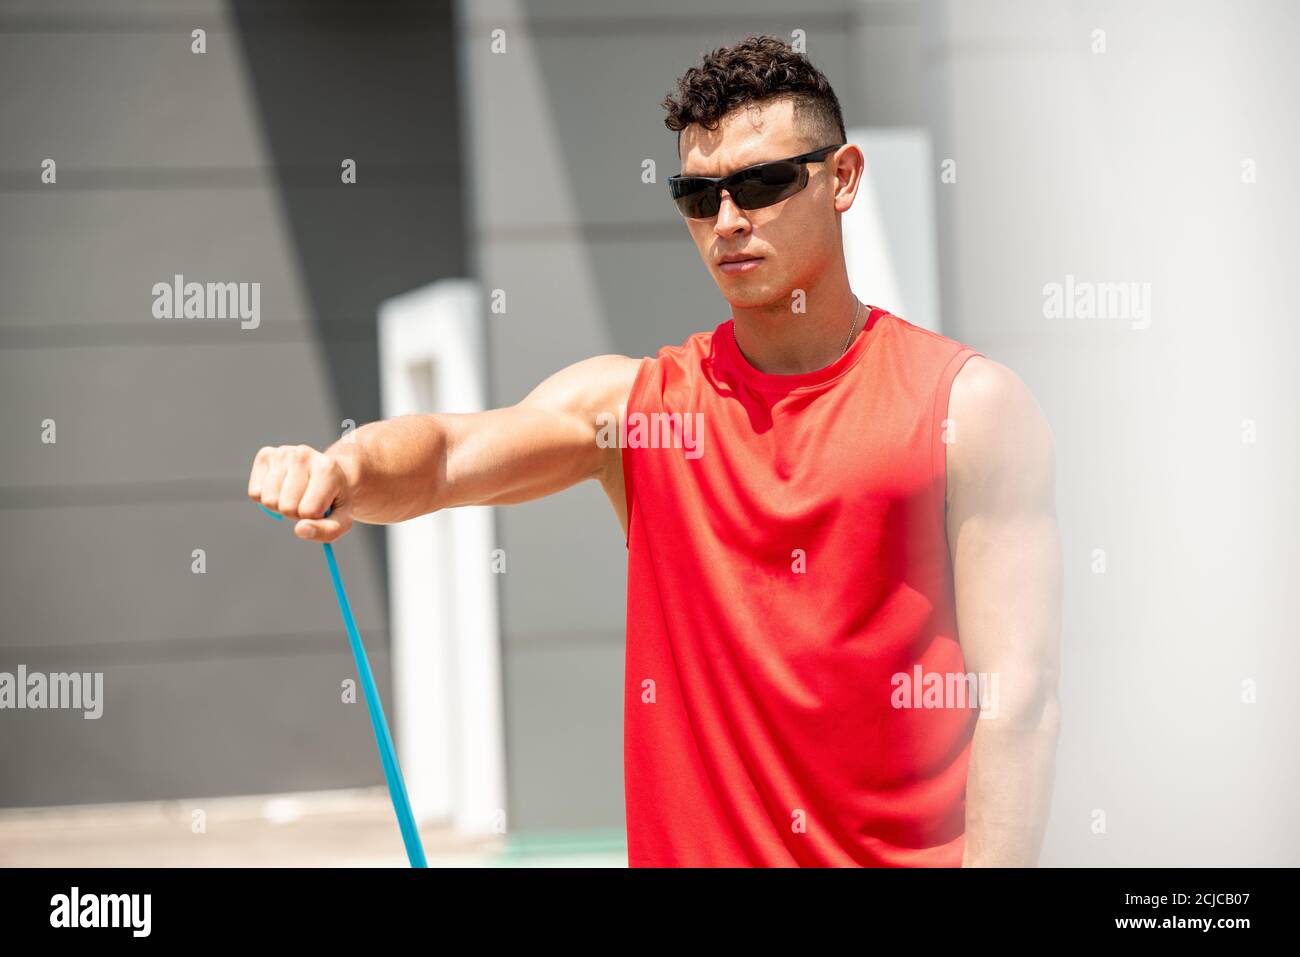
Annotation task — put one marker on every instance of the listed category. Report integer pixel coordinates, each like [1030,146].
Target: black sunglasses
[763,184]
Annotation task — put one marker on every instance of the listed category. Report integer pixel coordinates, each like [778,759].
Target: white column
[443,597]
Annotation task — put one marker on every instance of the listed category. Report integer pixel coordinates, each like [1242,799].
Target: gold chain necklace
[848,339]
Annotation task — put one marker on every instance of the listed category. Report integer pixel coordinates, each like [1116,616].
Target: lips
[739,264]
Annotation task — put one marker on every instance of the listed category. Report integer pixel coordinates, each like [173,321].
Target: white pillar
[443,595]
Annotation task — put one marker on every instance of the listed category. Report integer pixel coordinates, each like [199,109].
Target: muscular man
[844,591]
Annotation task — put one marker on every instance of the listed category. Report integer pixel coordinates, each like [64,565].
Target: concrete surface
[352,828]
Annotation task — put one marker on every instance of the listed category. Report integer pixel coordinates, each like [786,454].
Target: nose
[731,218]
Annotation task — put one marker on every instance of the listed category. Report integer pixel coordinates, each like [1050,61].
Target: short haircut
[756,70]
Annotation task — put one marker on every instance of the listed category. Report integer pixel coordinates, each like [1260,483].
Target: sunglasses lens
[781,173]
[697,199]
[769,184]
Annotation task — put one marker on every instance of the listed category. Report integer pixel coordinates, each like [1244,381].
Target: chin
[738,299]
[747,291]
[741,296]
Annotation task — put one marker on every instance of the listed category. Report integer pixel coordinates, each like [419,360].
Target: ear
[850,166]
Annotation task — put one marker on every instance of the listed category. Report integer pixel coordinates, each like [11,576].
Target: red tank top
[787,558]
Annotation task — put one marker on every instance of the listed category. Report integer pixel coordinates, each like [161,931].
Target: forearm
[395,468]
[400,468]
[1009,788]
[408,466]
[1007,580]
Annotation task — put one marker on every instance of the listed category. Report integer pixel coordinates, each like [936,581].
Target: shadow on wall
[374,84]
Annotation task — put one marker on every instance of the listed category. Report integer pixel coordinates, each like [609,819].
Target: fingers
[272,480]
[297,474]
[261,462]
[325,529]
[327,487]
[299,482]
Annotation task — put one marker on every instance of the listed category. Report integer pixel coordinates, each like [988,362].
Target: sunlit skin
[1001,523]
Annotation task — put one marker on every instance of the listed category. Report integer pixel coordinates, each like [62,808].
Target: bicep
[547,442]
[1003,534]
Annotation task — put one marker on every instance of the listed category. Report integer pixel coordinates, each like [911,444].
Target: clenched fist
[299,482]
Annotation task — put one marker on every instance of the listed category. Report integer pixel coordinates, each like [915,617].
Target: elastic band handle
[383,740]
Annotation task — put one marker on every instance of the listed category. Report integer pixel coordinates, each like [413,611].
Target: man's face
[793,241]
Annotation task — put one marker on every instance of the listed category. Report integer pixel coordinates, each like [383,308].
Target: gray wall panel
[564,723]
[562,532]
[160,413]
[120,575]
[195,728]
[571,150]
[78,257]
[186,109]
[223,167]
[570,299]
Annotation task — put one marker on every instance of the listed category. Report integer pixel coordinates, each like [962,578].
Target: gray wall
[223,166]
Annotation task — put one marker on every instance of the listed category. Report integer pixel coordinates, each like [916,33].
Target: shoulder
[927,352]
[593,385]
[609,379]
[988,393]
[603,384]
[674,365]
[692,349]
[999,433]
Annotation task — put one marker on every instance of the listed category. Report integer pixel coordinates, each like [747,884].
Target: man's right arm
[397,469]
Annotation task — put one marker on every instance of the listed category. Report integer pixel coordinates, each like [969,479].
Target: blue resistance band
[383,740]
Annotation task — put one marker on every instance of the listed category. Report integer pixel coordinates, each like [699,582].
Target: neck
[779,341]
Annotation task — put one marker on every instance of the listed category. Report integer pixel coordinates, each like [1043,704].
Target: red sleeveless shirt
[787,559]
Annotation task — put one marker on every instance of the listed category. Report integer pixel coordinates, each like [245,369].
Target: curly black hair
[755,70]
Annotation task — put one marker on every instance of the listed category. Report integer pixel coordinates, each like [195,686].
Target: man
[843,560]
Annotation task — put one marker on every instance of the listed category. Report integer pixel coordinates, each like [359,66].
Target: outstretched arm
[400,468]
